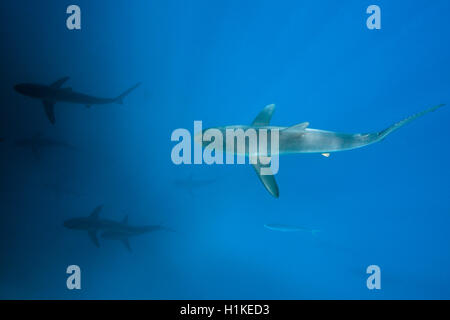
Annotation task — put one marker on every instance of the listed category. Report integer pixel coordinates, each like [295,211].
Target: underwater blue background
[221,62]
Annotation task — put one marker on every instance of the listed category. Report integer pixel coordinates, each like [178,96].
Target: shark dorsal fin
[58,83]
[125,220]
[298,127]
[263,118]
[96,212]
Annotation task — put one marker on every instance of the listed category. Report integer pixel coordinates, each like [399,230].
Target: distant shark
[288,228]
[38,141]
[301,139]
[110,229]
[189,183]
[50,94]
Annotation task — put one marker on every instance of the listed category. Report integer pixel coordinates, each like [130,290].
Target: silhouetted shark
[54,93]
[110,229]
[38,142]
[301,139]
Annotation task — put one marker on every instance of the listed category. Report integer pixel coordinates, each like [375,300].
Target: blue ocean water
[221,62]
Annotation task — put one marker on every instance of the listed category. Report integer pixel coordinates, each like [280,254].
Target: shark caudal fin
[120,98]
[398,125]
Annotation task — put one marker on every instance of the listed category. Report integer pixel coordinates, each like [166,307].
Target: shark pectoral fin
[298,127]
[326,154]
[127,244]
[58,83]
[93,236]
[263,118]
[268,181]
[49,110]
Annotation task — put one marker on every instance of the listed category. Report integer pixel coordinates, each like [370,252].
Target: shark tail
[120,98]
[398,125]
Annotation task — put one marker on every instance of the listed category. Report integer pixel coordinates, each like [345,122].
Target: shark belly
[301,141]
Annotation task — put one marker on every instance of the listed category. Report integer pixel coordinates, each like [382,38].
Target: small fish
[287,228]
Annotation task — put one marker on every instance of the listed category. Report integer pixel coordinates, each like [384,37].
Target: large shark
[38,141]
[302,139]
[50,94]
[110,229]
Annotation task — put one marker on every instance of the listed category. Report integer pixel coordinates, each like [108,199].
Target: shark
[288,228]
[189,183]
[300,138]
[38,142]
[50,94]
[108,229]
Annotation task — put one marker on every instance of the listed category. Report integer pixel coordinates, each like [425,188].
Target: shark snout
[27,89]
[19,88]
